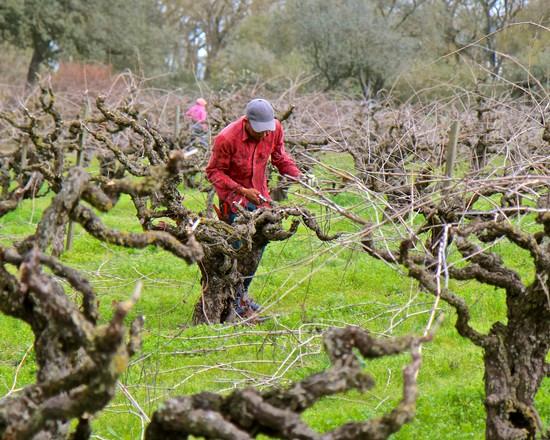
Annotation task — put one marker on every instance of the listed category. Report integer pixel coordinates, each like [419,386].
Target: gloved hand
[309,179]
[306,179]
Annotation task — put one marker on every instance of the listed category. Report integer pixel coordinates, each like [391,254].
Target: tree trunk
[480,154]
[232,254]
[220,283]
[365,85]
[515,368]
[371,83]
[37,59]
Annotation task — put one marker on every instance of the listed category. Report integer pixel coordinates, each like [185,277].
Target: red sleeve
[280,158]
[218,165]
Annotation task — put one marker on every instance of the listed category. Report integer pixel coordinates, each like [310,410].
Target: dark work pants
[237,244]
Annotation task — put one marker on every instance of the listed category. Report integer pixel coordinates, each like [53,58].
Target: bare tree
[462,227]
[204,27]
[515,350]
[78,359]
[476,24]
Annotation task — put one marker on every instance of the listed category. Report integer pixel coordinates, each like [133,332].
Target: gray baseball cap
[259,113]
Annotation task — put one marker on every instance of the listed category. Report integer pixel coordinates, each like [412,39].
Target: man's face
[256,135]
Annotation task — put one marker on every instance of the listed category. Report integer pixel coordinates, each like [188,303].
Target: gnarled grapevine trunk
[247,413]
[232,254]
[514,351]
[515,366]
[222,278]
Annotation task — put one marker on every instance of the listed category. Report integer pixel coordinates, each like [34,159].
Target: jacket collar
[244,133]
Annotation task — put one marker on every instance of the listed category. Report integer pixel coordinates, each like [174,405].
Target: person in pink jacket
[197,112]
[198,115]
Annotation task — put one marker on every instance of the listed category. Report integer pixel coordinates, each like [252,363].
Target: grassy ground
[306,287]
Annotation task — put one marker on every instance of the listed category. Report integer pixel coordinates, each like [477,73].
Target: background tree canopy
[350,39]
[126,35]
[361,46]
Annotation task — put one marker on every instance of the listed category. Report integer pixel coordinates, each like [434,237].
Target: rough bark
[245,414]
[78,361]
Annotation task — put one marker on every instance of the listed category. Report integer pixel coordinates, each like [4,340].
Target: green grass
[307,286]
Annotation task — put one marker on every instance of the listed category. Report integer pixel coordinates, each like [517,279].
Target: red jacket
[238,160]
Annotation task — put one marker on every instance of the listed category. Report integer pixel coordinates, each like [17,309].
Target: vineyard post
[79,156]
[24,149]
[450,154]
[177,124]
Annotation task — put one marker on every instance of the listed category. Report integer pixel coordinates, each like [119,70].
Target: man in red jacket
[237,167]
